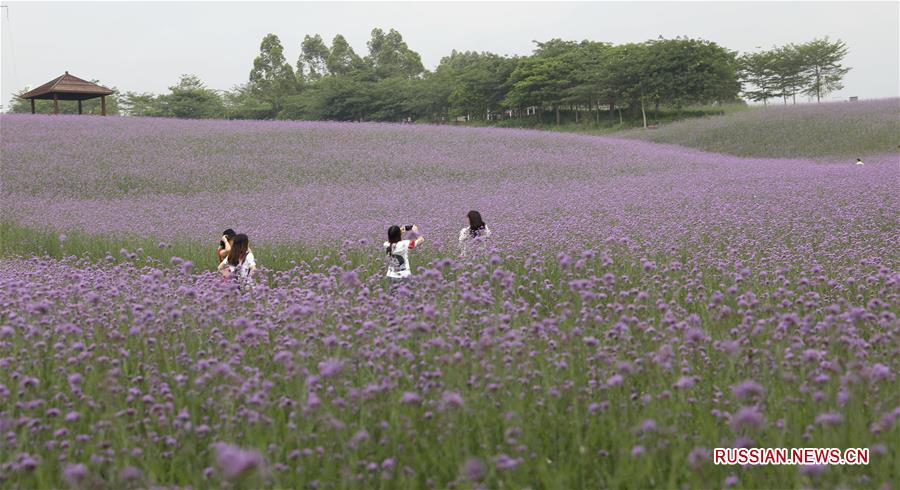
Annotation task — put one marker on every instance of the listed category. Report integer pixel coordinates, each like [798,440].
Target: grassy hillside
[839,129]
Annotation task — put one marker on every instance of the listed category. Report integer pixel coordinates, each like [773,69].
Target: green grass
[832,130]
[21,241]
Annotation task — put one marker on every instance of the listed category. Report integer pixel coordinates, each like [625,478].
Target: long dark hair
[393,237]
[476,224]
[240,245]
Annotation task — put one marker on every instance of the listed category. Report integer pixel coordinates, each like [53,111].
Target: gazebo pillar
[79,107]
[102,105]
[32,106]
[55,104]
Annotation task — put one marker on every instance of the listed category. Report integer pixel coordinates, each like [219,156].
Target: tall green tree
[821,60]
[589,83]
[272,78]
[756,74]
[313,62]
[628,75]
[390,99]
[683,71]
[342,60]
[787,72]
[476,83]
[430,96]
[389,56]
[543,78]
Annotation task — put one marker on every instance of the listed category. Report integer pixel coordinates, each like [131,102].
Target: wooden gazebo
[68,87]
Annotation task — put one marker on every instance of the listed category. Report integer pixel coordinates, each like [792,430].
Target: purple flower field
[314,183]
[638,305]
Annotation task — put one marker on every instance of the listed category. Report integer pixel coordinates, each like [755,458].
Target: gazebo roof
[67,87]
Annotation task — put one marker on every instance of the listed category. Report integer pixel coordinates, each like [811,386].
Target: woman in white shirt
[397,249]
[225,245]
[477,231]
[240,264]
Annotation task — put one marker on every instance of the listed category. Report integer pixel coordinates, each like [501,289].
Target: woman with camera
[397,248]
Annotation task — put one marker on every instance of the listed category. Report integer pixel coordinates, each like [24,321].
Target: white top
[398,262]
[241,271]
[465,237]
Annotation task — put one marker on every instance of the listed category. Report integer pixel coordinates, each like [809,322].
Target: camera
[408,227]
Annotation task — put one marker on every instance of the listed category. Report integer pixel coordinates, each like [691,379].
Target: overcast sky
[144,47]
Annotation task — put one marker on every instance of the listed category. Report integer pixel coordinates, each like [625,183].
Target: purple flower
[187,267]
[747,417]
[75,474]
[879,372]
[330,367]
[235,462]
[505,462]
[684,382]
[28,462]
[410,398]
[812,355]
[812,469]
[452,399]
[697,456]
[350,279]
[879,449]
[747,389]
[830,418]
[843,397]
[358,438]
[130,473]
[474,470]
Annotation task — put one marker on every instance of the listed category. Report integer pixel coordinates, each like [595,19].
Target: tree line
[813,69]
[587,81]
